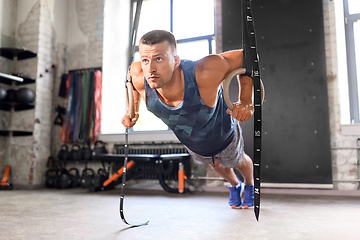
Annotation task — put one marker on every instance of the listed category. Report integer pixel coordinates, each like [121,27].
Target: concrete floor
[77,214]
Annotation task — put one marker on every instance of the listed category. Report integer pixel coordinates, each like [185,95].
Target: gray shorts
[230,157]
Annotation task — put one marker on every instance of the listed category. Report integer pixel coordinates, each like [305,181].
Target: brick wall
[36,31]
[7,39]
[343,148]
[44,94]
[20,155]
[83,49]
[88,16]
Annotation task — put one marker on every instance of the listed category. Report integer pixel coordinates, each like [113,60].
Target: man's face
[158,62]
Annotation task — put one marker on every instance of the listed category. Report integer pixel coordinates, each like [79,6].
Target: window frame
[209,38]
[156,135]
[349,20]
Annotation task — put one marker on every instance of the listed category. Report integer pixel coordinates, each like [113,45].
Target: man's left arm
[213,69]
[244,109]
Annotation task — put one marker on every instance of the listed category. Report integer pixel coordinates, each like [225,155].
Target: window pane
[354,6]
[137,56]
[193,18]
[155,14]
[193,50]
[213,44]
[148,121]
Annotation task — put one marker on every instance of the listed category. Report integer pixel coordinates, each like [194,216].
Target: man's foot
[249,196]
[235,195]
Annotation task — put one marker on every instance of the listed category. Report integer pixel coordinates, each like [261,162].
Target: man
[187,96]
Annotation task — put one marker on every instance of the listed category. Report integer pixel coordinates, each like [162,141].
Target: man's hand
[127,122]
[241,112]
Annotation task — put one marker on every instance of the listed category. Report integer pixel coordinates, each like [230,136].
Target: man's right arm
[137,79]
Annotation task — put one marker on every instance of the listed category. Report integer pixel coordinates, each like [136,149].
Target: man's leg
[236,189]
[227,173]
[245,168]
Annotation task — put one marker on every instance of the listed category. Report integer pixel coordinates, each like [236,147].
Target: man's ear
[177,61]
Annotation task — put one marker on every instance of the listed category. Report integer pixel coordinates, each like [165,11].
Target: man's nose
[152,66]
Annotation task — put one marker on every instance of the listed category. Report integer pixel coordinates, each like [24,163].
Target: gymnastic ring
[226,86]
[130,99]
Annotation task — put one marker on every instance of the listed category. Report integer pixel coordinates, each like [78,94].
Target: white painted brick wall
[29,154]
[20,150]
[28,31]
[44,95]
[344,159]
[3,153]
[90,18]
[81,52]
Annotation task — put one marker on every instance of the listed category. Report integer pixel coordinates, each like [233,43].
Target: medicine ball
[25,95]
[2,94]
[11,95]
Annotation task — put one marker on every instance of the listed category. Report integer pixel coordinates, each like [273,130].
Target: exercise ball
[25,95]
[3,94]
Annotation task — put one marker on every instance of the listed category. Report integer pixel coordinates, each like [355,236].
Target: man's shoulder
[136,68]
[210,62]
[211,71]
[137,76]
[207,62]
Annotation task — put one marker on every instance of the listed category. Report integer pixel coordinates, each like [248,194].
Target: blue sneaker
[249,196]
[235,195]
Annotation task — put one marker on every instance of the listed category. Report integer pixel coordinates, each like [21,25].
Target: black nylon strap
[123,186]
[131,57]
[252,57]
[134,29]
[247,60]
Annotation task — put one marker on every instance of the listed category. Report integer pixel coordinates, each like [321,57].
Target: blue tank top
[204,130]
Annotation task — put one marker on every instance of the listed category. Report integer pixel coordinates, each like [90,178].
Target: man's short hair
[159,36]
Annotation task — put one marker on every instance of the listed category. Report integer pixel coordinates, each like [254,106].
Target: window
[194,42]
[352,32]
[191,21]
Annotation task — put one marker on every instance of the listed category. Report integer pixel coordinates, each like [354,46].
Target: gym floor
[78,214]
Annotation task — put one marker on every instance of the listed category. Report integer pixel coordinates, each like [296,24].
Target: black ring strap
[251,62]
[131,57]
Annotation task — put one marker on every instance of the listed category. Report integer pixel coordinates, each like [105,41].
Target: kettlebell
[51,176]
[87,177]
[75,177]
[63,179]
[86,152]
[63,154]
[25,95]
[3,94]
[75,152]
[99,148]
[100,178]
